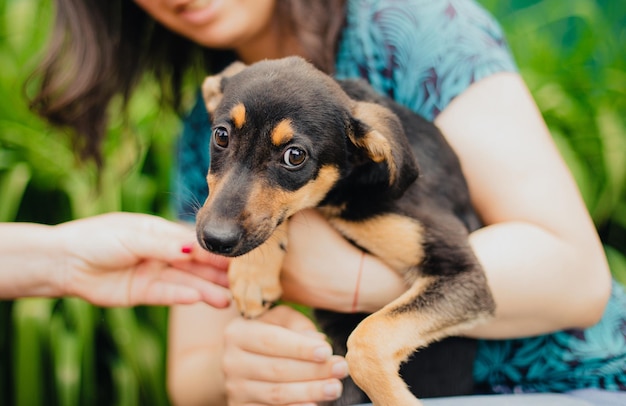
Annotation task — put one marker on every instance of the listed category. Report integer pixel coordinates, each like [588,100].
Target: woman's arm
[540,249]
[117,259]
[195,352]
[29,261]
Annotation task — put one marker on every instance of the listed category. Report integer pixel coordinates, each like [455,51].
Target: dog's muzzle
[221,239]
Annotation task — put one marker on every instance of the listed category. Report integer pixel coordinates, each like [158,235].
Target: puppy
[287,137]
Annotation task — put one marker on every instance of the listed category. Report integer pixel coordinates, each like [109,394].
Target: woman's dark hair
[100,49]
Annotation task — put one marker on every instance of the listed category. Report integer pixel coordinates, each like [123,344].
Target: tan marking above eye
[282,132]
[238,114]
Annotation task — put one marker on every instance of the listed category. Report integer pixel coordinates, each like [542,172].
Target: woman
[446,60]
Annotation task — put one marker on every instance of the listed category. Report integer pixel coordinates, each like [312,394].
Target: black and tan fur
[287,137]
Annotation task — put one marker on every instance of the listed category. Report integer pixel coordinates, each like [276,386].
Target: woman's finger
[270,393]
[260,367]
[288,317]
[214,295]
[207,272]
[276,341]
[158,284]
[203,256]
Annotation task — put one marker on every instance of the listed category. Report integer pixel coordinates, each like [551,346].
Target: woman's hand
[279,359]
[126,259]
[323,270]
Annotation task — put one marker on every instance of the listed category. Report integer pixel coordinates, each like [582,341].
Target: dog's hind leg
[433,308]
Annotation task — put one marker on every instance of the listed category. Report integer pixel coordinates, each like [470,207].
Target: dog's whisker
[301,219]
[187,202]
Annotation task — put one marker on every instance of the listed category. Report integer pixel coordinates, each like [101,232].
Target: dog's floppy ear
[213,86]
[378,132]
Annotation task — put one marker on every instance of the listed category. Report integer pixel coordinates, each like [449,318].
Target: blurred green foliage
[67,352]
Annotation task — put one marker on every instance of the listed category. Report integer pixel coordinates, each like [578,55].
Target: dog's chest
[394,238]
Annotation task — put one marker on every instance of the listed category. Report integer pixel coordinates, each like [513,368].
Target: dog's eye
[220,137]
[294,157]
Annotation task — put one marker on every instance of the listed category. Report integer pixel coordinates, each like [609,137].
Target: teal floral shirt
[423,53]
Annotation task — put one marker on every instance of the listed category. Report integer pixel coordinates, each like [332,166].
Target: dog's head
[284,134]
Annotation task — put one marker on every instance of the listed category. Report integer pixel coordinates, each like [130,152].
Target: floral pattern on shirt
[572,359]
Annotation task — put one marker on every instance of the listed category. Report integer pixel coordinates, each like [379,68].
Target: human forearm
[197,379]
[30,261]
[526,267]
[194,375]
[540,249]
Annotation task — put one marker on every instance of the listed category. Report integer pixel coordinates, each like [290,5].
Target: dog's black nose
[221,240]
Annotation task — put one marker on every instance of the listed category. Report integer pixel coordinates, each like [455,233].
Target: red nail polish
[186,249]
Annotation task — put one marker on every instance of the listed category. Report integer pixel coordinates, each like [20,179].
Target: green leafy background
[67,352]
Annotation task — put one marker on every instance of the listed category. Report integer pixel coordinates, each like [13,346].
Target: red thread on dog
[355,300]
[186,249]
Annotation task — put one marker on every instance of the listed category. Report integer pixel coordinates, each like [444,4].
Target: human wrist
[53,263]
[365,285]
[31,262]
[65,259]
[378,285]
[346,294]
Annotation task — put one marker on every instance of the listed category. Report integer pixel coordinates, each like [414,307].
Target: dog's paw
[253,296]
[254,278]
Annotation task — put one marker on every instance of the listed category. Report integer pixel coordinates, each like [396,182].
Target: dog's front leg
[255,277]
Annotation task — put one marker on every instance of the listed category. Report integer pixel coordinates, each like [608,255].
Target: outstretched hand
[127,259]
